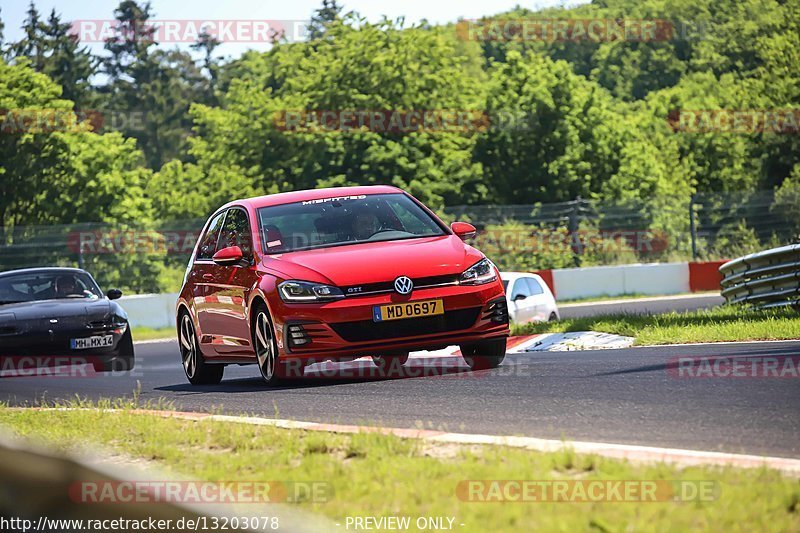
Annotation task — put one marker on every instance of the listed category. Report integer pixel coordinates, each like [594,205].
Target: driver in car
[66,287]
[365,224]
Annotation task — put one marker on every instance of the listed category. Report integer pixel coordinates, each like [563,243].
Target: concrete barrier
[572,283]
[655,278]
[150,310]
[658,278]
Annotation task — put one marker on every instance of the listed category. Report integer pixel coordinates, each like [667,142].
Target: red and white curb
[513,345]
[578,340]
[632,453]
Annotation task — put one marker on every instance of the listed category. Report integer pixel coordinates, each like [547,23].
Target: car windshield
[50,285]
[344,220]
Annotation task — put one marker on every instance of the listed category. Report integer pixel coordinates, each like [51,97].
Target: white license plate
[100,341]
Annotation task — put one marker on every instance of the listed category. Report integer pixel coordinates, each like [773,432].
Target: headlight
[305,291]
[481,272]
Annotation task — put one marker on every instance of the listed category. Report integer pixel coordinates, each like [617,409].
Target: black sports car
[61,313]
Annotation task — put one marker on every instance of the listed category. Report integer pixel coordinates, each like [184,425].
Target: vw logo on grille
[403,285]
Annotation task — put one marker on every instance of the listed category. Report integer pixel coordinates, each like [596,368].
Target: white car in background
[529,298]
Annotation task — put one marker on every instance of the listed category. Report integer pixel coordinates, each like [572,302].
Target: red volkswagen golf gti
[286,280]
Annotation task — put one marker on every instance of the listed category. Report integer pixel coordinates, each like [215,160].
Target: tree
[2,27]
[556,138]
[373,67]
[55,170]
[207,43]
[322,18]
[787,204]
[68,64]
[150,90]
[52,50]
[31,45]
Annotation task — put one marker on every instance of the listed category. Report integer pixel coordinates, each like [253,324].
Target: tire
[388,363]
[485,354]
[552,317]
[197,371]
[123,361]
[272,369]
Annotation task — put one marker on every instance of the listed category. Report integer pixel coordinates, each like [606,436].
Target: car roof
[313,194]
[42,270]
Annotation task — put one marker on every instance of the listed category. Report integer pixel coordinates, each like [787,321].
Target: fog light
[497,311]
[297,335]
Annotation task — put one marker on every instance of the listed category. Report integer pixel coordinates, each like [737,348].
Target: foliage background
[569,120]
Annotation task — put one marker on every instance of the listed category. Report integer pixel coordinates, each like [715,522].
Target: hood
[375,262]
[57,309]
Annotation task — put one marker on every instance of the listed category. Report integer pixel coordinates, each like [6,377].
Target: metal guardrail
[765,279]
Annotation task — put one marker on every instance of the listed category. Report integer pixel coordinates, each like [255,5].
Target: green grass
[629,296]
[143,334]
[378,475]
[726,323]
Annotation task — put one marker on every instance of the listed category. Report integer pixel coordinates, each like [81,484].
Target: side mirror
[228,256]
[114,294]
[463,230]
[519,297]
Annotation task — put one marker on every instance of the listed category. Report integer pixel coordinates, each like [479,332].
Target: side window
[208,243]
[236,232]
[533,286]
[520,288]
[412,221]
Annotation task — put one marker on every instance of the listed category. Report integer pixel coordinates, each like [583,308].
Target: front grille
[367,330]
[62,323]
[387,286]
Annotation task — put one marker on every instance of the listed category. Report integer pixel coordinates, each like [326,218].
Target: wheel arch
[181,308]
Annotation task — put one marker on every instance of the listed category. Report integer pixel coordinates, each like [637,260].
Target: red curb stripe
[519,339]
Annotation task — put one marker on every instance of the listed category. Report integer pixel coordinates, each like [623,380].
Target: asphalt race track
[622,396]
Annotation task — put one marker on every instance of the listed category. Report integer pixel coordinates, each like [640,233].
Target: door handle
[208,277]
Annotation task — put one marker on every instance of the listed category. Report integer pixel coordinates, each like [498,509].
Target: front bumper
[345,329]
[44,343]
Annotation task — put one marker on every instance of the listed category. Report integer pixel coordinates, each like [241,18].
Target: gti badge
[403,285]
